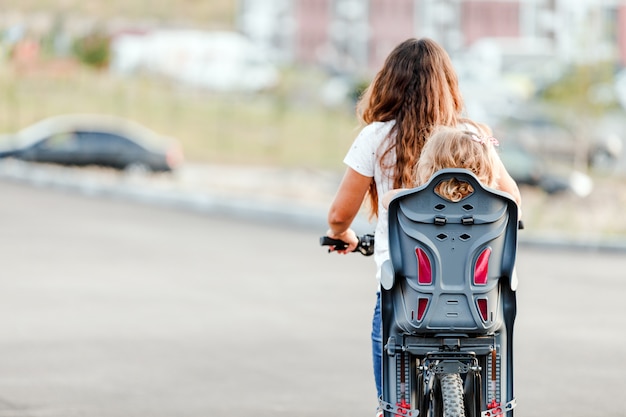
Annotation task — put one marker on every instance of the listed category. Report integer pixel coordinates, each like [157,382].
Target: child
[450,147]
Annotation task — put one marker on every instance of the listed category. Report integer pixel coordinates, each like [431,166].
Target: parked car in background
[565,139]
[530,169]
[101,140]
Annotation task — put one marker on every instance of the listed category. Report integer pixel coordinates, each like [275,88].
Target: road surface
[116,309]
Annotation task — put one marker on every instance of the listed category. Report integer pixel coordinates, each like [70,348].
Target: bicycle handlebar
[365,245]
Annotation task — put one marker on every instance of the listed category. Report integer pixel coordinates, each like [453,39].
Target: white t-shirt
[363,157]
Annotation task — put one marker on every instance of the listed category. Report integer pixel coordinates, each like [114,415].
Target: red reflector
[403,408]
[481,270]
[482,308]
[422,303]
[424,270]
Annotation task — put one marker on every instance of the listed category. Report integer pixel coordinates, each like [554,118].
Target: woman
[415,91]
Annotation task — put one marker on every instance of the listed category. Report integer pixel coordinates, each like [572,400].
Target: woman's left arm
[346,206]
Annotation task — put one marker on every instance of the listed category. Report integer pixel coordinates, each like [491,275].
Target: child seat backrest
[448,258]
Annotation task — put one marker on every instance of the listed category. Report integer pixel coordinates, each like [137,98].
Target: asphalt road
[109,309]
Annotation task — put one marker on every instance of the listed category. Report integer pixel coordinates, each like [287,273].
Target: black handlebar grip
[338,244]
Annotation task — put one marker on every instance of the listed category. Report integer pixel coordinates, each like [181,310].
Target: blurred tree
[93,49]
[581,87]
[583,96]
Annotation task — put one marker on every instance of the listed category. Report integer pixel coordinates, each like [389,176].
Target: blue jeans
[377,346]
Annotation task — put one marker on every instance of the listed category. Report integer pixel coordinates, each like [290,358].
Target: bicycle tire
[452,395]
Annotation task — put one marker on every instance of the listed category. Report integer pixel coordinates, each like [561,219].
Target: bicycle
[448,302]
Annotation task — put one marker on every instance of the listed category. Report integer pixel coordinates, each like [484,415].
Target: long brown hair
[418,88]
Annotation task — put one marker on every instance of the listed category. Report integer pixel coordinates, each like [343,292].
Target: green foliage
[210,14]
[93,50]
[358,89]
[586,88]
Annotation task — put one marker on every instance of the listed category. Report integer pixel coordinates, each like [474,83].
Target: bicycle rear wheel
[452,395]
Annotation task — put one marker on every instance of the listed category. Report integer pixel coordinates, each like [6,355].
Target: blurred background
[272,84]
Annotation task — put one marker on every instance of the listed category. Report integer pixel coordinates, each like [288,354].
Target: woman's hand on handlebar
[365,246]
[349,237]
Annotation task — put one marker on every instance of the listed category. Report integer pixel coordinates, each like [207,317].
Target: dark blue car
[84,140]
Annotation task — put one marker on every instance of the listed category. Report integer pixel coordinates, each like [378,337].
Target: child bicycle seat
[448,302]
[448,259]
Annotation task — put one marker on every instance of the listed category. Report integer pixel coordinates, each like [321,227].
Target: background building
[356,35]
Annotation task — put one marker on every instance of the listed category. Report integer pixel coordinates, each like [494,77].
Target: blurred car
[547,133]
[527,168]
[101,140]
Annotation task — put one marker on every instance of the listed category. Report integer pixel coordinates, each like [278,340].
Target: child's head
[451,147]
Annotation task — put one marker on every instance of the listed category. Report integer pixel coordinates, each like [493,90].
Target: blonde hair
[456,148]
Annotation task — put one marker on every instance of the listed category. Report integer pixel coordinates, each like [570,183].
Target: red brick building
[356,35]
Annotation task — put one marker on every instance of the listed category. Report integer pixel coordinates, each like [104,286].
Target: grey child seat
[449,285]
